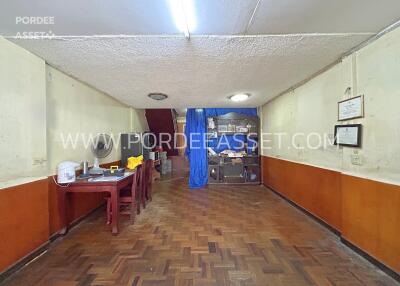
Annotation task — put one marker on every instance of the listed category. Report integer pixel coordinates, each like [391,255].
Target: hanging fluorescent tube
[184,16]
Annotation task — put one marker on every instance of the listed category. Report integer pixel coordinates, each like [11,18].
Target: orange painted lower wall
[365,212]
[24,221]
[371,218]
[29,216]
[315,189]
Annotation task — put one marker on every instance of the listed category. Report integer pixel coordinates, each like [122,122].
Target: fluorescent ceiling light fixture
[239,97]
[184,15]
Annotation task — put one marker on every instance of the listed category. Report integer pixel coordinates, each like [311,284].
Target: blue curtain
[195,131]
[196,152]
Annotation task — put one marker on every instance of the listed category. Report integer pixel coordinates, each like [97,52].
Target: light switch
[356,159]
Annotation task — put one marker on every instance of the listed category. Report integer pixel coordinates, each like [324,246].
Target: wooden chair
[130,197]
[148,180]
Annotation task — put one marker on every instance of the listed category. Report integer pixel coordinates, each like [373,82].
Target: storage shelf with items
[233,149]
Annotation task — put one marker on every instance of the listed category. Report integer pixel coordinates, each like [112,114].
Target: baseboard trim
[308,213]
[371,259]
[24,261]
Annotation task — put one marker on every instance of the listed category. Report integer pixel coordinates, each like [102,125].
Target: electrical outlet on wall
[39,161]
[356,159]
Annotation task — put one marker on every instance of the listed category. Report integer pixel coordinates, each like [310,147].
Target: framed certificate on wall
[348,135]
[351,108]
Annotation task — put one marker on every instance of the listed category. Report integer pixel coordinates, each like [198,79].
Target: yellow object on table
[133,162]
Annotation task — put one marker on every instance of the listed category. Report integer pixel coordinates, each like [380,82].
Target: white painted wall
[373,71]
[138,120]
[38,104]
[22,115]
[78,111]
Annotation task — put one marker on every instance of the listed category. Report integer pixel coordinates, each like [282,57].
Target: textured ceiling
[262,51]
[201,72]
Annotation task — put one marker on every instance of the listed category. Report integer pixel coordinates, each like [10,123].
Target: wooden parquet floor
[222,235]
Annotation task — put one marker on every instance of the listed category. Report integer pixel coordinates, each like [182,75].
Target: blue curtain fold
[196,150]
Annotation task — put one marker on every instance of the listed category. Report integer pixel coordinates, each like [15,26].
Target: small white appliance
[66,172]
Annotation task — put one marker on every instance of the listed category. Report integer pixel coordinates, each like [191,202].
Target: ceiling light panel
[183,12]
[239,97]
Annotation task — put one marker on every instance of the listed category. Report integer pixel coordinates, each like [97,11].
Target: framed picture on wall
[348,135]
[351,108]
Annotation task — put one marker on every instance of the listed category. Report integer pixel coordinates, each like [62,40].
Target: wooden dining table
[94,185]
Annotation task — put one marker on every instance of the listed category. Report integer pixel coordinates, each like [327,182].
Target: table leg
[143,195]
[114,210]
[62,208]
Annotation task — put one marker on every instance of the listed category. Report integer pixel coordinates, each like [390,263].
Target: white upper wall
[373,71]
[38,104]
[22,113]
[79,112]
[138,120]
[377,69]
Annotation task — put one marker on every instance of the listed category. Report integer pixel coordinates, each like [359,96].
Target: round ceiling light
[239,97]
[158,96]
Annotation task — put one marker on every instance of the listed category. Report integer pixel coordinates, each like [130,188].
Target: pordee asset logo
[29,20]
[32,21]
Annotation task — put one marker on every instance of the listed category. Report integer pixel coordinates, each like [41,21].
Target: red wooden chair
[130,197]
[147,182]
